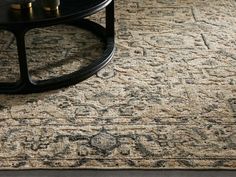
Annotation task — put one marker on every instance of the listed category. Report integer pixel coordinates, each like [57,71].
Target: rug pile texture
[167,99]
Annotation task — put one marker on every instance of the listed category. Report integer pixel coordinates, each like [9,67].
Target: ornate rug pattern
[167,100]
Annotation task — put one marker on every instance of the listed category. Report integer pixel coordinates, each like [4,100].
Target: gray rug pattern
[167,99]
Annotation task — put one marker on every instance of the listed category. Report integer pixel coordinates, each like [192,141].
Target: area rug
[166,101]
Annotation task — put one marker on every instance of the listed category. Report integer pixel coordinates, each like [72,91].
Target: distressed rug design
[167,99]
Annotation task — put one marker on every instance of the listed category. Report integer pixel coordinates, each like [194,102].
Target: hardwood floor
[118,173]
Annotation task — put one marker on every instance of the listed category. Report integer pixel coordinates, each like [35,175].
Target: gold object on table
[19,6]
[50,8]
[50,5]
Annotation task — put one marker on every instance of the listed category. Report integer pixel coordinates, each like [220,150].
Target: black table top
[67,10]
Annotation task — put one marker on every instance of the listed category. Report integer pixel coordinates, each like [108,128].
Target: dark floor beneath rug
[117,173]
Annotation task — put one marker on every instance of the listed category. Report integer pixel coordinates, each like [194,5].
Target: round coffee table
[70,12]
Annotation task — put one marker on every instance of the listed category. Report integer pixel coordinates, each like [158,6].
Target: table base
[27,85]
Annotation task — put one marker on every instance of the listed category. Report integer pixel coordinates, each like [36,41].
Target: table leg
[110,19]
[24,72]
[24,84]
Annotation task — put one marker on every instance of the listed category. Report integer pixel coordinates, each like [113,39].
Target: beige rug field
[167,99]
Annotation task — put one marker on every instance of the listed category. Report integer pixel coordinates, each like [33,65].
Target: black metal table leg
[110,19]
[24,83]
[20,42]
